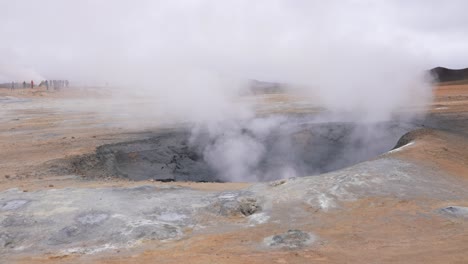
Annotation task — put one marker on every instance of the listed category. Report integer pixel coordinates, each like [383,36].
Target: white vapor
[192,57]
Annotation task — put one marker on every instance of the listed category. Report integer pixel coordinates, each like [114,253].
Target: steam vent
[233,132]
[298,147]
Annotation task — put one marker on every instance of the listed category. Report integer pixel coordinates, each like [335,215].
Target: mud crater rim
[306,148]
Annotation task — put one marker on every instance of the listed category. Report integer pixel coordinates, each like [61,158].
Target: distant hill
[442,74]
[260,87]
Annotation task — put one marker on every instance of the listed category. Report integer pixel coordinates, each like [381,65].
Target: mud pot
[296,147]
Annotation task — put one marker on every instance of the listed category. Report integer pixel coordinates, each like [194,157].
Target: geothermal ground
[80,186]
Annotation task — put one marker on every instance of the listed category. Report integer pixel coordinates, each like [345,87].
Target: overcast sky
[95,40]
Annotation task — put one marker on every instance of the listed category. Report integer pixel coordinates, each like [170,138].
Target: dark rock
[442,74]
[411,136]
[292,239]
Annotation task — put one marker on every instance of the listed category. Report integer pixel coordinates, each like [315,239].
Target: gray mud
[305,147]
[165,157]
[91,220]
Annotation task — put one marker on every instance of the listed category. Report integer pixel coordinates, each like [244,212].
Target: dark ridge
[411,136]
[442,74]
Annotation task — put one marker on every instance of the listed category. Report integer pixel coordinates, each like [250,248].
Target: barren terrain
[408,205]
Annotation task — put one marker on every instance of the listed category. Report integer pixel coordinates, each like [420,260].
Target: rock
[277,183]
[412,136]
[293,239]
[248,206]
[231,204]
[455,211]
[442,74]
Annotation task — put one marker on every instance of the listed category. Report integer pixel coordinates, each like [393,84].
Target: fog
[191,58]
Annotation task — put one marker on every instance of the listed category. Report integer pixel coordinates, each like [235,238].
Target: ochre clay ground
[368,230]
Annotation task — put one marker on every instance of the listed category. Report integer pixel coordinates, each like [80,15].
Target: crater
[292,147]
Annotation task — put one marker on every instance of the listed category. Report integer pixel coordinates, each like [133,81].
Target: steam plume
[191,59]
